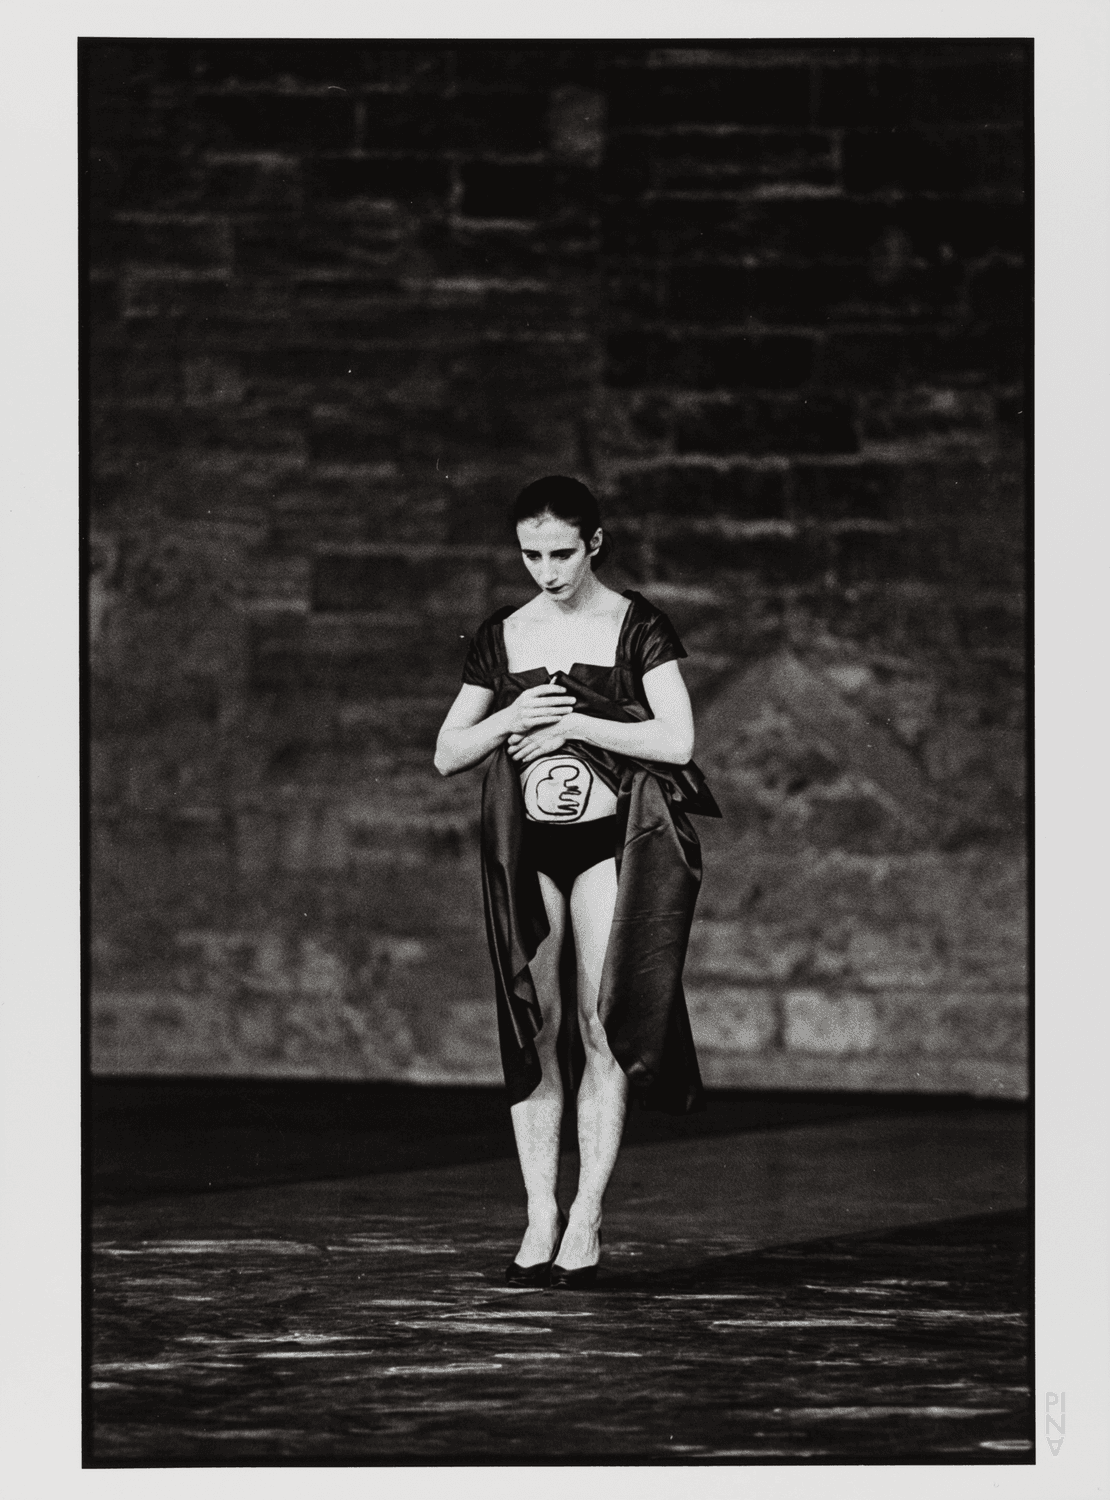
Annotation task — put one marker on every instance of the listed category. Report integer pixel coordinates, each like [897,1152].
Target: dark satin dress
[641,1002]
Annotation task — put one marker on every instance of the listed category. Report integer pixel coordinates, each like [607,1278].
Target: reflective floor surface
[847,1291]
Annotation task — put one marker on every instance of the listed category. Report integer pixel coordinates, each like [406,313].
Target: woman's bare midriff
[563,789]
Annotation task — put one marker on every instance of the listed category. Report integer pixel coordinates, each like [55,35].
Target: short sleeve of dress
[481,667]
[657,643]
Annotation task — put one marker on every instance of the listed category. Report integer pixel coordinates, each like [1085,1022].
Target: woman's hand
[668,736]
[547,741]
[467,736]
[539,706]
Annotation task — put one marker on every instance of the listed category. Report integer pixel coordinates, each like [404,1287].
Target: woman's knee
[594,1040]
[547,1037]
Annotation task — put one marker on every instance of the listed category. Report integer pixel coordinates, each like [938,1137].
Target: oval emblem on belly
[557,790]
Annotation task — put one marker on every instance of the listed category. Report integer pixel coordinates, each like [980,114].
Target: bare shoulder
[526,612]
[615,603]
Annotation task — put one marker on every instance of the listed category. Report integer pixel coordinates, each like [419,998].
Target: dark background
[342,300]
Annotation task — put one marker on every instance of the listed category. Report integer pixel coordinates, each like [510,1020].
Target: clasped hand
[543,721]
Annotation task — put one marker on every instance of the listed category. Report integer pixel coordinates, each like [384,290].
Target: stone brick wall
[342,300]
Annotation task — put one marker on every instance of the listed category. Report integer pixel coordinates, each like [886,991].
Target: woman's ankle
[586,1211]
[543,1211]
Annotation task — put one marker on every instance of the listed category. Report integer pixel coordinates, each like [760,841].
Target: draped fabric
[641,1002]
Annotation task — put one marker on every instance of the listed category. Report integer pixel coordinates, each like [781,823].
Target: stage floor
[852,1290]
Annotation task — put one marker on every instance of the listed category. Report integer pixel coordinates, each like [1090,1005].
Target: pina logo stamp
[1053,1423]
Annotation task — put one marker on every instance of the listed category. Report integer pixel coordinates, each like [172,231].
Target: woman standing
[579,697]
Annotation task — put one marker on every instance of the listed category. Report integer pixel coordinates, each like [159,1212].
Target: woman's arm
[466,736]
[667,737]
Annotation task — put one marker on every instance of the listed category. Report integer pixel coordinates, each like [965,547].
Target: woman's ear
[594,543]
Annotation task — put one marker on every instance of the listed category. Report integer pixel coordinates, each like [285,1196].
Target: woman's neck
[583,602]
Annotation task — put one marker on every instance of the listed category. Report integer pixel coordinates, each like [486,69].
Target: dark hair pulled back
[567,500]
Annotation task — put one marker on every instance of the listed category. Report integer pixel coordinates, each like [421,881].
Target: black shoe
[538,1274]
[574,1281]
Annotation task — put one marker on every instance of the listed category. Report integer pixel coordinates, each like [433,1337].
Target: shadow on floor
[146,1137]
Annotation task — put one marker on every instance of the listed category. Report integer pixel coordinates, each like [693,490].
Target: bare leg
[603,1093]
[536,1120]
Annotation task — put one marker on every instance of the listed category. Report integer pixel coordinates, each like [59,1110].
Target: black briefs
[564,852]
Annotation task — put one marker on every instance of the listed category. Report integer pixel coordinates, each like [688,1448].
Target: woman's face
[555,555]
